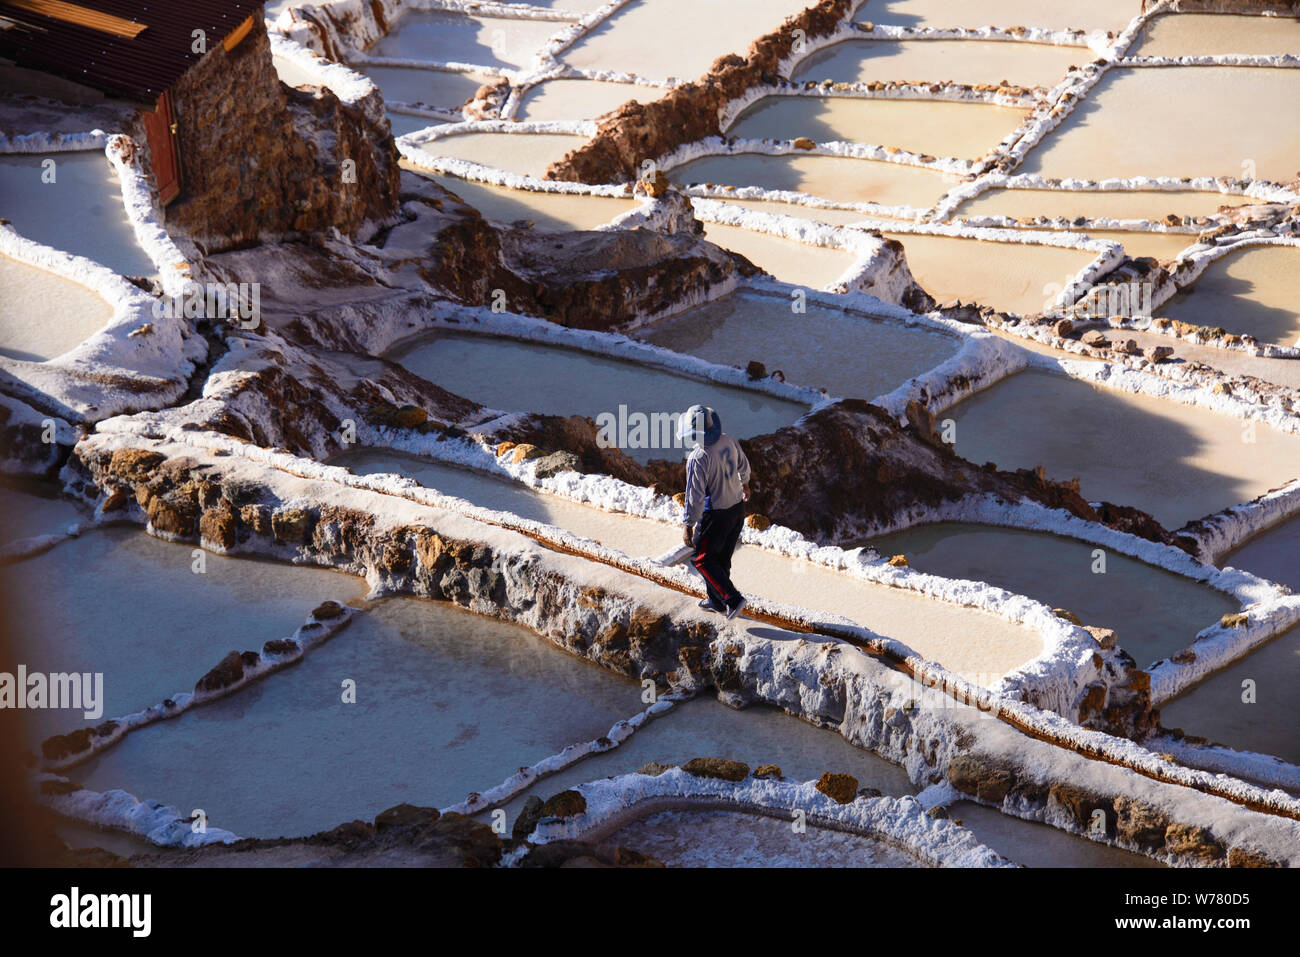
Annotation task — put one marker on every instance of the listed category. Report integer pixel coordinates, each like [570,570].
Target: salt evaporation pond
[517,376]
[30,512]
[733,839]
[1009,277]
[447,702]
[975,644]
[1148,204]
[526,153]
[45,315]
[1049,14]
[403,124]
[1176,461]
[801,264]
[566,99]
[447,37]
[1138,243]
[1253,291]
[81,212]
[959,61]
[434,88]
[1202,34]
[1273,554]
[1216,707]
[675,38]
[873,357]
[1060,572]
[837,178]
[561,211]
[1040,845]
[703,727]
[941,127]
[123,603]
[1151,121]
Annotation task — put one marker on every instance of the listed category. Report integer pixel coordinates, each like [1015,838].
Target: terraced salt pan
[1060,572]
[526,153]
[1161,246]
[836,178]
[1200,34]
[1273,554]
[123,603]
[1176,461]
[527,377]
[544,210]
[1048,14]
[1216,708]
[871,357]
[1233,362]
[799,263]
[464,38]
[939,127]
[1255,290]
[958,61]
[1010,277]
[732,839]
[45,315]
[676,38]
[1040,845]
[434,88]
[81,212]
[566,99]
[1097,204]
[27,514]
[1178,121]
[972,643]
[447,702]
[404,123]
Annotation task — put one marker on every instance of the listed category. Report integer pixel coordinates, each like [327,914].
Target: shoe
[734,610]
[708,605]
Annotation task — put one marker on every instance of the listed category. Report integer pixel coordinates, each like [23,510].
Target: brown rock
[1241,856]
[565,804]
[1190,840]
[768,771]
[410,416]
[292,525]
[804,143]
[970,775]
[524,452]
[1067,615]
[1095,338]
[1105,637]
[218,527]
[756,369]
[327,611]
[1140,824]
[116,499]
[899,561]
[134,465]
[717,768]
[841,788]
[227,672]
[1234,620]
[405,815]
[757,521]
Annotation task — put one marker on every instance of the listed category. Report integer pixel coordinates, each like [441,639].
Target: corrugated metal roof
[138,69]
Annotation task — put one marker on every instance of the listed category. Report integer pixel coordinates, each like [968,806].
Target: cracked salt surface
[1040,845]
[1176,461]
[448,37]
[45,315]
[733,839]
[872,357]
[447,702]
[123,603]
[1154,612]
[528,377]
[560,211]
[80,212]
[1254,291]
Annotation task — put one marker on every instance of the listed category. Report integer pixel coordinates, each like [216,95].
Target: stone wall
[260,159]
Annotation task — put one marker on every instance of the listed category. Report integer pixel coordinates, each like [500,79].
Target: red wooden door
[160,128]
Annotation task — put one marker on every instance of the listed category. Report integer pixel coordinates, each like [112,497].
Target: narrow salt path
[1201,34]
[958,61]
[973,643]
[1040,845]
[528,154]
[1151,205]
[560,211]
[1176,461]
[799,263]
[45,315]
[1101,587]
[872,357]
[446,702]
[1253,291]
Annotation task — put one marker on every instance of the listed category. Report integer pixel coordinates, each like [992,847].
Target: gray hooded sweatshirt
[714,476]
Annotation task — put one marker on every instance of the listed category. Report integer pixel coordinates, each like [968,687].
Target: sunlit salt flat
[1040,845]
[427,727]
[1116,131]
[800,263]
[1199,34]
[45,315]
[959,61]
[969,642]
[1020,278]
[526,153]
[1176,461]
[873,357]
[80,211]
[675,38]
[830,177]
[732,839]
[1102,587]
[434,88]
[1097,204]
[1221,707]
[123,603]
[543,210]
[939,127]
[566,99]
[1255,291]
[465,38]
[1161,246]
[1273,554]
[526,377]
[1050,14]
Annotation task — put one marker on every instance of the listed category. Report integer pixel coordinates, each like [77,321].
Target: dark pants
[716,537]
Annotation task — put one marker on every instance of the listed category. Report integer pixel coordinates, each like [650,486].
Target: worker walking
[717,476]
